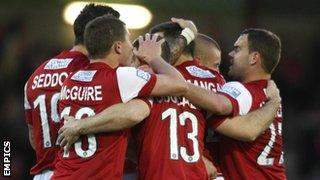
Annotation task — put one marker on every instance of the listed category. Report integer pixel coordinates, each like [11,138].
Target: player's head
[208,51]
[171,31]
[165,49]
[108,36]
[88,13]
[255,50]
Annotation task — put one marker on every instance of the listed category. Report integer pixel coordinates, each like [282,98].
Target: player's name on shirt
[82,93]
[182,101]
[48,80]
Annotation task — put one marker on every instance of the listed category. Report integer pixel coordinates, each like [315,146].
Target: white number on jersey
[263,159]
[40,101]
[174,150]
[92,142]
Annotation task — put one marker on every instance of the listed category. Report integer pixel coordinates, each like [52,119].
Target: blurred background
[34,30]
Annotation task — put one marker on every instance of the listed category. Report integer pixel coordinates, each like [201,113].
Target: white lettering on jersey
[49,80]
[204,84]
[198,72]
[240,93]
[58,63]
[26,102]
[130,82]
[82,93]
[182,101]
[85,76]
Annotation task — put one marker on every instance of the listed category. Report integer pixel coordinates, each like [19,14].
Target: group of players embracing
[165,94]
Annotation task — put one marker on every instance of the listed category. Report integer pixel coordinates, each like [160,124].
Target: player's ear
[117,47]
[254,57]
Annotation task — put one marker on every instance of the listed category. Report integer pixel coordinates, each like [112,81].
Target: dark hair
[172,31]
[165,49]
[267,44]
[88,13]
[101,33]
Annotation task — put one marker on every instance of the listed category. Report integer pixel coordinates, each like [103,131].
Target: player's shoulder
[132,73]
[235,89]
[68,60]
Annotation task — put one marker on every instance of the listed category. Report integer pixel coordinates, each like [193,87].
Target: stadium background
[34,30]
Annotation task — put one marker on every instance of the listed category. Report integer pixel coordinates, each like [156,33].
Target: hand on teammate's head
[149,47]
[183,23]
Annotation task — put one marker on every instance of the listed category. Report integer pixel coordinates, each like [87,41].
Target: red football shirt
[42,92]
[170,140]
[262,158]
[86,93]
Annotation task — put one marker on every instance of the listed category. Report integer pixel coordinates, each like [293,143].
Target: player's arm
[169,80]
[31,136]
[116,117]
[216,103]
[250,126]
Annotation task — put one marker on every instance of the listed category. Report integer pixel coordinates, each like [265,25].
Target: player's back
[170,140]
[86,93]
[42,93]
[259,159]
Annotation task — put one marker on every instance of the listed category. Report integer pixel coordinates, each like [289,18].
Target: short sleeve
[239,96]
[27,107]
[26,102]
[134,82]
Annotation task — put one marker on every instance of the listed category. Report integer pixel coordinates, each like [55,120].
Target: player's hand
[185,24]
[273,93]
[146,68]
[211,169]
[68,133]
[149,48]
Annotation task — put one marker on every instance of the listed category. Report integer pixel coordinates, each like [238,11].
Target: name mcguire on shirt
[82,93]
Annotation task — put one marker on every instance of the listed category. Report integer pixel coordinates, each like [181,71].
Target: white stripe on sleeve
[26,102]
[130,82]
[240,93]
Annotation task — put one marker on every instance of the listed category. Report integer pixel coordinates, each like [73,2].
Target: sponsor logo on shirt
[58,63]
[198,72]
[144,75]
[232,91]
[85,76]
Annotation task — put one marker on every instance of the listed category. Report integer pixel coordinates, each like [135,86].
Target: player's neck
[80,48]
[256,76]
[183,58]
[109,60]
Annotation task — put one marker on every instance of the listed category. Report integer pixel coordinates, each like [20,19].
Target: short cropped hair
[101,33]
[267,44]
[88,13]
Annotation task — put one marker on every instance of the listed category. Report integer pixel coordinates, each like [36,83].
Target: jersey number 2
[263,159]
